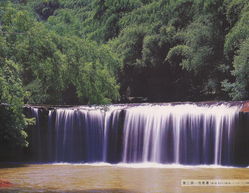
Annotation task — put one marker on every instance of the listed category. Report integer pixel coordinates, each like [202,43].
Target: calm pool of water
[72,178]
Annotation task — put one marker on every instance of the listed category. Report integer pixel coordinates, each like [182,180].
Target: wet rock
[245,107]
[5,183]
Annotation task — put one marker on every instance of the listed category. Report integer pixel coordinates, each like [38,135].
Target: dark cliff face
[38,134]
[37,139]
[241,143]
[241,146]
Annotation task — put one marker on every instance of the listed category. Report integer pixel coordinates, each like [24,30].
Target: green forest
[109,51]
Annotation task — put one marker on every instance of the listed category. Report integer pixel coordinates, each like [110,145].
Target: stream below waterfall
[104,178]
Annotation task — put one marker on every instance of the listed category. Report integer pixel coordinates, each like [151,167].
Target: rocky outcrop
[245,107]
[5,184]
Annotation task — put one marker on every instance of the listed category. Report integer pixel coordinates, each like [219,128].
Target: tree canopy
[105,51]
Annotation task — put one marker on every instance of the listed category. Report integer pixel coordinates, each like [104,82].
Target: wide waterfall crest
[178,134]
[161,133]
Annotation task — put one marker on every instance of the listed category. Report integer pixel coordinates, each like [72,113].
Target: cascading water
[186,134]
[180,133]
[36,133]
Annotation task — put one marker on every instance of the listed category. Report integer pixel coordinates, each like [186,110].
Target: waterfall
[189,134]
[36,133]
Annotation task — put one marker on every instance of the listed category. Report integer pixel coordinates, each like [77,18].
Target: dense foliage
[11,118]
[168,50]
[93,52]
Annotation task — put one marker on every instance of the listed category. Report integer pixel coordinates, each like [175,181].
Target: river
[122,178]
